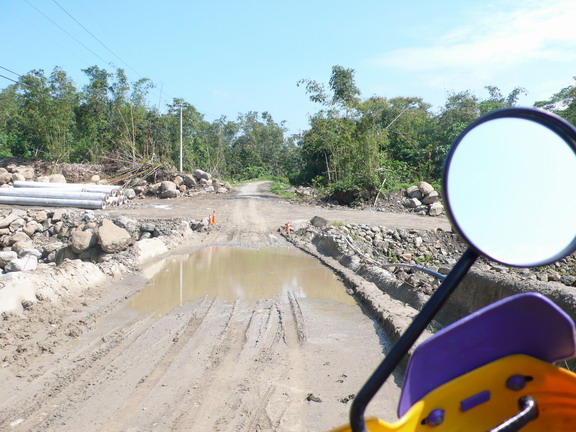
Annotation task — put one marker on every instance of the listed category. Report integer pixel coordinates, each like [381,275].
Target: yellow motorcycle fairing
[481,400]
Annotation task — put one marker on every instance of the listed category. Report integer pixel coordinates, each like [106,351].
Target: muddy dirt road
[285,363]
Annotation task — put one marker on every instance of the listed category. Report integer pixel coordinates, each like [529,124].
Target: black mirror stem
[412,333]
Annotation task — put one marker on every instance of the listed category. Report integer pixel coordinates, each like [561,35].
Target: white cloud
[492,43]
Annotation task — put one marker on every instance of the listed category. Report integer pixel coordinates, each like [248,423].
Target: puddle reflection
[230,273]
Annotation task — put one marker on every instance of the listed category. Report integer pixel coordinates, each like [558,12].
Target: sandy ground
[90,363]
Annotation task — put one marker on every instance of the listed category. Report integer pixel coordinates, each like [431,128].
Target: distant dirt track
[207,365]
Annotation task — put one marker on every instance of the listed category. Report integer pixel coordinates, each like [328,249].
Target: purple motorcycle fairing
[521,324]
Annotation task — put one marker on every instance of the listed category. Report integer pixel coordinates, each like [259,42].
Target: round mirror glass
[509,185]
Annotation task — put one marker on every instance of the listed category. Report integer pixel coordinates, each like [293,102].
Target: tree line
[354,146]
[47,117]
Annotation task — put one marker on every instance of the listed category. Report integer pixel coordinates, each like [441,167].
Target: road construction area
[234,330]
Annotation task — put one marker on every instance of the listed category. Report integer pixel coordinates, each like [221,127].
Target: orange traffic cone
[214,217]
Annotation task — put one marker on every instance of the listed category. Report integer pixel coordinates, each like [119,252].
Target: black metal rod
[412,333]
[528,413]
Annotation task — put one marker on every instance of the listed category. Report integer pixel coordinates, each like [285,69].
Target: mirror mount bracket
[407,340]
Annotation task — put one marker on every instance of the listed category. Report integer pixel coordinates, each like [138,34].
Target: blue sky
[230,57]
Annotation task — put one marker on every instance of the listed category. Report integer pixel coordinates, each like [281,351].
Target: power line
[161,96]
[107,48]
[46,36]
[9,79]
[6,69]
[57,25]
[98,40]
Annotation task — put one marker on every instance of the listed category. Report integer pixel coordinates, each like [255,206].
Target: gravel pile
[437,250]
[30,237]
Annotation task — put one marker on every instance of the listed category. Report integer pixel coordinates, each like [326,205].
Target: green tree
[345,146]
[9,113]
[562,103]
[497,101]
[64,100]
[95,132]
[220,135]
[257,150]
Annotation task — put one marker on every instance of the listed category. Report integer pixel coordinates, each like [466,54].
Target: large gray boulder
[319,222]
[6,257]
[130,193]
[425,188]
[167,185]
[29,262]
[168,189]
[25,171]
[57,215]
[414,192]
[29,251]
[18,177]
[170,193]
[127,223]
[199,174]
[112,238]
[56,178]
[11,217]
[17,225]
[5,178]
[431,198]
[189,180]
[31,227]
[412,203]
[149,248]
[82,240]
[436,209]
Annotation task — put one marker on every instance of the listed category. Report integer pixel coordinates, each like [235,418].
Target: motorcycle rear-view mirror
[508,184]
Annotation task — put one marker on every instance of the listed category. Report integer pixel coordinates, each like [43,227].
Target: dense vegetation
[353,147]
[48,118]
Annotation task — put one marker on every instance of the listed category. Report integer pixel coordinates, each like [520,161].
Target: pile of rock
[182,185]
[423,200]
[401,245]
[437,250]
[33,236]
[13,173]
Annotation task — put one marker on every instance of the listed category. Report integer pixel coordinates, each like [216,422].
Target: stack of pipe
[87,196]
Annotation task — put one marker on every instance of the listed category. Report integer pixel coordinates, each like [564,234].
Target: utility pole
[181,105]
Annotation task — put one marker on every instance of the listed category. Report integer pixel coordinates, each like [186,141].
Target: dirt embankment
[391,260]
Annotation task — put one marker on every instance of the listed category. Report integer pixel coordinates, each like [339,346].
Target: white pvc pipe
[75,186]
[52,193]
[113,201]
[53,202]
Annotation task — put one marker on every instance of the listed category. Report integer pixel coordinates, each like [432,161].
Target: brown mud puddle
[229,273]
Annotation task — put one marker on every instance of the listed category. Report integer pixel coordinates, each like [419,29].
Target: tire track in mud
[298,318]
[239,395]
[55,382]
[99,373]
[148,382]
[220,365]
